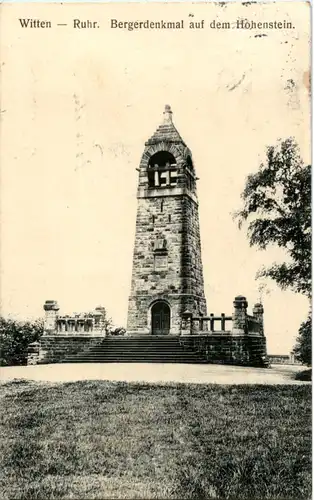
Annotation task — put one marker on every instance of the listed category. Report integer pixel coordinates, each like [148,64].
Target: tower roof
[166,132]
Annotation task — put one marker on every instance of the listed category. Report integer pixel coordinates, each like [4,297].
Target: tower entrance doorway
[160,318]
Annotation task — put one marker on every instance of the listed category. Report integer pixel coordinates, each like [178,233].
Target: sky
[77,108]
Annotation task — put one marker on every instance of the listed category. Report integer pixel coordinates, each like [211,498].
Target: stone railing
[211,323]
[240,323]
[85,324]
[283,359]
[68,325]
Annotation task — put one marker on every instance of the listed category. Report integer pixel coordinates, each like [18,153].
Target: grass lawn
[117,440]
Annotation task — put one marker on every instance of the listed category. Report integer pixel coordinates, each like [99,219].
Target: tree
[303,347]
[277,210]
[15,336]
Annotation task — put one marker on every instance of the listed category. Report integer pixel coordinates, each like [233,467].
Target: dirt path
[154,373]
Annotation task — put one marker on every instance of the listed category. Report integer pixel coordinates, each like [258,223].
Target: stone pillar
[100,313]
[33,353]
[51,313]
[186,323]
[258,313]
[239,317]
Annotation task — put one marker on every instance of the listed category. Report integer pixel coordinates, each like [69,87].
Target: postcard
[156,249]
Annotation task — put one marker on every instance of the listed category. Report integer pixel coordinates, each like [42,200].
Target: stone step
[135,355]
[145,349]
[134,360]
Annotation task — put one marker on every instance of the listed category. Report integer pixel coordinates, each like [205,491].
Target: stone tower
[167,276]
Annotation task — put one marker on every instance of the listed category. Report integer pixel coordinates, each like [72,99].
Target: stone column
[258,313]
[186,323]
[239,318]
[51,313]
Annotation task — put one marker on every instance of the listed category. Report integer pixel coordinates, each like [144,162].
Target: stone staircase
[137,349]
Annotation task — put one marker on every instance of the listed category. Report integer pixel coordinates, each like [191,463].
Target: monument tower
[167,289]
[167,275]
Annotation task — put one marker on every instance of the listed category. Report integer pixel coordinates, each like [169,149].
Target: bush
[305,375]
[15,337]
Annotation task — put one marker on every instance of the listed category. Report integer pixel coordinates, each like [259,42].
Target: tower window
[160,245]
[169,218]
[160,254]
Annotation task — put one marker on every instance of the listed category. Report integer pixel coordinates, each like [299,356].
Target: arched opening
[162,159]
[189,174]
[160,318]
[161,170]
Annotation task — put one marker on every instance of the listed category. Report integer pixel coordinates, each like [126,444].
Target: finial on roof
[167,114]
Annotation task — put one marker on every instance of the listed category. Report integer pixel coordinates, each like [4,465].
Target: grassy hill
[87,440]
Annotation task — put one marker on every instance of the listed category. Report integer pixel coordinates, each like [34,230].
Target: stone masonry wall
[192,268]
[180,283]
[54,348]
[242,350]
[157,218]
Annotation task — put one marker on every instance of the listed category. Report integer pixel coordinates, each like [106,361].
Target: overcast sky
[78,107]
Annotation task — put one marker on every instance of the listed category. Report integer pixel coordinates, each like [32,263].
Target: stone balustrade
[240,323]
[93,323]
[212,323]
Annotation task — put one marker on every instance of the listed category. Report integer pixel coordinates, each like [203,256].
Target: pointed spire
[166,131]
[167,114]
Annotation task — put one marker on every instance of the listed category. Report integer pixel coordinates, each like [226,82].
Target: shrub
[15,337]
[119,331]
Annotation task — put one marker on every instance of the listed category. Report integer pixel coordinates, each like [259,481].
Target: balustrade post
[186,323]
[212,323]
[239,317]
[201,324]
[258,313]
[223,322]
[51,309]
